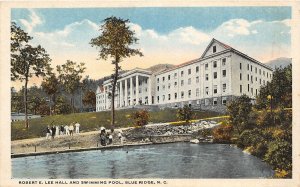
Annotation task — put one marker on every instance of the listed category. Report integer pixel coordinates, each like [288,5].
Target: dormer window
[214,49]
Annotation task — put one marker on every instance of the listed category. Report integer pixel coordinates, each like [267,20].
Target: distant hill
[279,62]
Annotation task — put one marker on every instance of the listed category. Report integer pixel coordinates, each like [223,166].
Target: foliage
[69,76]
[223,133]
[185,113]
[140,117]
[114,42]
[62,106]
[89,98]
[51,86]
[26,61]
[239,112]
[279,155]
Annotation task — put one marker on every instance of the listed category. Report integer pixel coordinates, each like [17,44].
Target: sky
[166,35]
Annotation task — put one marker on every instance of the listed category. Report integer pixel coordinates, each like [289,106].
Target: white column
[149,91]
[131,91]
[121,94]
[118,95]
[137,90]
[126,93]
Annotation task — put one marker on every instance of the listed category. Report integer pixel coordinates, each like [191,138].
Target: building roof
[227,49]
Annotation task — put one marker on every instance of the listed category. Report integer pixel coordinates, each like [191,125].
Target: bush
[250,138]
[223,133]
[140,117]
[279,155]
[185,113]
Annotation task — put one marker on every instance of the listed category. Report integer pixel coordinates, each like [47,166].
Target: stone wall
[171,138]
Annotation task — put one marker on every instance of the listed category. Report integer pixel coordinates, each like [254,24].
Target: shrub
[279,155]
[222,133]
[140,117]
[185,113]
[250,138]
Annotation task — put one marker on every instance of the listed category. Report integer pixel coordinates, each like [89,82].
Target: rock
[196,141]
[168,133]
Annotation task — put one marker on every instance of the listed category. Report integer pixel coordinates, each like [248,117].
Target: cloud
[32,22]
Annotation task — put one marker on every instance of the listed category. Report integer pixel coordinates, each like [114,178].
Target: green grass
[93,121]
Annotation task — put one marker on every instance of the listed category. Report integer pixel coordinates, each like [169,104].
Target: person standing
[67,130]
[110,139]
[48,133]
[62,129]
[56,130]
[71,129]
[53,131]
[77,125]
[120,137]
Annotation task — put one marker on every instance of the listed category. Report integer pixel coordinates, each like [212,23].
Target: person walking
[77,125]
[71,129]
[67,130]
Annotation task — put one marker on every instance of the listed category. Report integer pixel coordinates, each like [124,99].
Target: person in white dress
[77,125]
[67,130]
[57,130]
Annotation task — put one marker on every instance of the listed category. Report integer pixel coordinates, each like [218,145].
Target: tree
[114,42]
[239,112]
[69,76]
[26,61]
[185,113]
[51,86]
[89,99]
[62,106]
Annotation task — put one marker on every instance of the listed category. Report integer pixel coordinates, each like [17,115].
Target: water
[176,160]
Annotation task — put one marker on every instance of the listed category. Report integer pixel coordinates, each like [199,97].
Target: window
[260,71]
[157,99]
[264,73]
[206,90]
[169,97]
[189,71]
[175,84]
[256,92]
[175,95]
[175,75]
[169,77]
[224,87]
[215,89]
[256,79]
[215,64]
[182,95]
[264,82]
[163,79]
[189,81]
[215,101]
[197,69]
[259,81]
[248,77]
[240,76]
[206,66]
[197,79]
[197,92]
[181,73]
[215,75]
[247,66]
[251,79]
[163,97]
[224,62]
[248,88]
[169,85]
[241,88]
[182,82]
[224,100]
[163,87]
[157,88]
[224,73]
[267,75]
[214,49]
[190,93]
[251,68]
[240,65]
[157,80]
[206,77]
[255,69]
[252,91]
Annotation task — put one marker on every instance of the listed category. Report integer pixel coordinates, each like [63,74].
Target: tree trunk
[50,107]
[113,93]
[73,103]
[25,103]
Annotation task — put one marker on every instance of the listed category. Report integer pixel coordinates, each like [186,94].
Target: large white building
[208,82]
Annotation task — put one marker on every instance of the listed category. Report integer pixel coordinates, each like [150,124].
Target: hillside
[279,62]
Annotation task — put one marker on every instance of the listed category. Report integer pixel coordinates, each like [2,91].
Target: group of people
[53,131]
[107,138]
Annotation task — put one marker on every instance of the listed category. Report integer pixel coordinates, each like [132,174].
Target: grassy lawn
[93,121]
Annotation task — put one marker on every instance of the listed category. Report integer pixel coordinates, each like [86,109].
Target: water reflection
[178,160]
